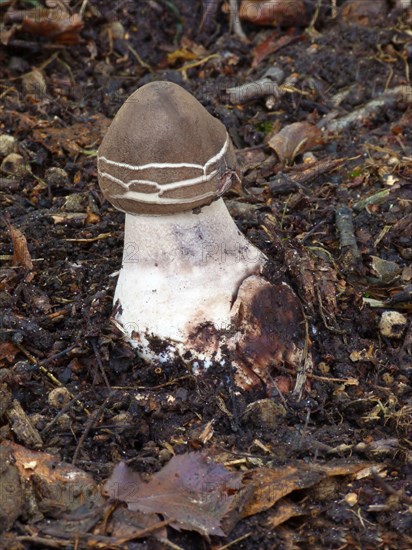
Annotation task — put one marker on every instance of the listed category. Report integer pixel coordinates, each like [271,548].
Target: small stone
[351,499]
[59,397]
[7,145]
[56,177]
[14,164]
[392,324]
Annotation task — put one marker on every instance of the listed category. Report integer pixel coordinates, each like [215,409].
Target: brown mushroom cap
[164,153]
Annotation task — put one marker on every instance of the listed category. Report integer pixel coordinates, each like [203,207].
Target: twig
[348,381]
[235,24]
[387,100]
[209,10]
[199,62]
[377,198]
[99,362]
[351,257]
[62,411]
[231,543]
[139,59]
[148,531]
[304,367]
[89,424]
[83,7]
[390,490]
[334,330]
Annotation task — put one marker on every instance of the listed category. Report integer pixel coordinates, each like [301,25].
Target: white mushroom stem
[180,272]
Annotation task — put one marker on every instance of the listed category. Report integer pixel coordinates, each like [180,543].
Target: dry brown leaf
[57,24]
[21,254]
[287,13]
[124,524]
[12,494]
[363,12]
[59,485]
[272,484]
[197,493]
[74,138]
[295,139]
[8,352]
[283,511]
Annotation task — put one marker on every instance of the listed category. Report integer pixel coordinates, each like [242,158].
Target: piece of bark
[22,427]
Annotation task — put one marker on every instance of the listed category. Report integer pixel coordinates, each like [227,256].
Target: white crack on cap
[164,153]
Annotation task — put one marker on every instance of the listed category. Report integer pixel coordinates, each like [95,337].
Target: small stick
[90,422]
[351,256]
[390,490]
[229,544]
[235,24]
[387,100]
[99,362]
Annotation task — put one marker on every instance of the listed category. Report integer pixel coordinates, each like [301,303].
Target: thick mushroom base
[265,331]
[190,287]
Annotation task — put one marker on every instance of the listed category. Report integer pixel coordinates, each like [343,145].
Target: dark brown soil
[356,404]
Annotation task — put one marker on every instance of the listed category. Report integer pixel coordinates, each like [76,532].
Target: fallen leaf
[363,12]
[8,352]
[282,512]
[58,485]
[295,139]
[21,254]
[197,493]
[272,484]
[287,13]
[271,45]
[57,24]
[73,138]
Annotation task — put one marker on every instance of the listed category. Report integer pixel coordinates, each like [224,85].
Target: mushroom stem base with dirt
[179,279]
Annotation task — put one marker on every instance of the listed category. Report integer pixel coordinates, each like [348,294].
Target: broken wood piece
[350,257]
[387,100]
[268,85]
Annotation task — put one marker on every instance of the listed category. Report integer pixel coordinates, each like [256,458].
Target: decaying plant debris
[319,108]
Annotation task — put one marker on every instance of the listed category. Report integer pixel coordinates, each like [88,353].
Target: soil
[55,317]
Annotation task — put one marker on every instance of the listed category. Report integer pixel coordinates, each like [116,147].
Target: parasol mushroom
[190,283]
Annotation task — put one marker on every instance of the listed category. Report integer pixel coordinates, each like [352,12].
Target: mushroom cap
[164,153]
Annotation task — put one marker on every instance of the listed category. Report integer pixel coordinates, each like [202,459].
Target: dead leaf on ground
[58,486]
[295,139]
[288,13]
[272,484]
[8,352]
[363,12]
[57,24]
[270,45]
[21,254]
[125,524]
[11,495]
[197,493]
[283,511]
[74,138]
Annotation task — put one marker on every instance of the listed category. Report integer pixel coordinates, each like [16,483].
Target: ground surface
[55,314]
